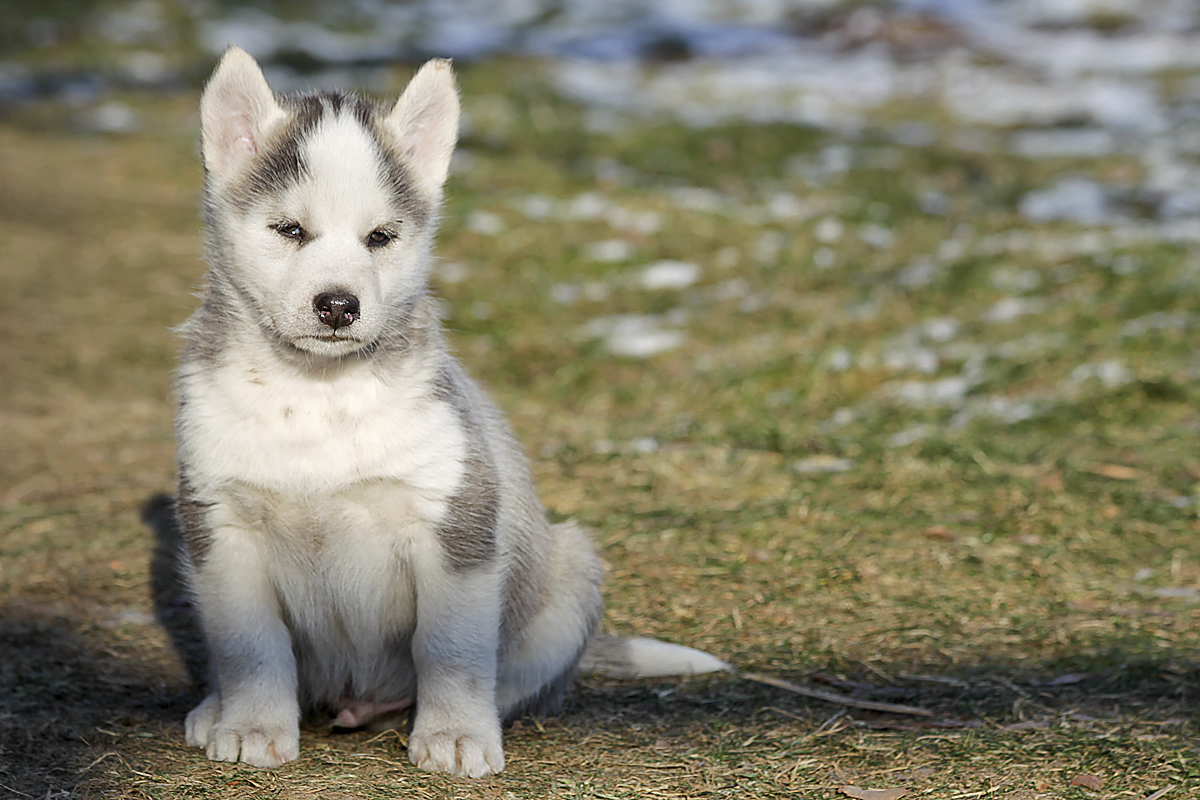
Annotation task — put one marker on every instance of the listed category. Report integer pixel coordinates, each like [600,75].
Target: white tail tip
[655,659]
[638,657]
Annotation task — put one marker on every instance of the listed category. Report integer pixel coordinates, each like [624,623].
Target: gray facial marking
[281,163]
[413,208]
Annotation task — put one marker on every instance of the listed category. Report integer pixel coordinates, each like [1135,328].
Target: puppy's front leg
[252,714]
[457,727]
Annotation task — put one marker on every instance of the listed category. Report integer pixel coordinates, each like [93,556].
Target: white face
[337,233]
[325,237]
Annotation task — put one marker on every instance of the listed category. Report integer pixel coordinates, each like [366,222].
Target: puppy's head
[320,207]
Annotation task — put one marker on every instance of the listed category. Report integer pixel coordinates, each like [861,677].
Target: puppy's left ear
[425,123]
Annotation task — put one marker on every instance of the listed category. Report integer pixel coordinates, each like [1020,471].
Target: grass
[994,519]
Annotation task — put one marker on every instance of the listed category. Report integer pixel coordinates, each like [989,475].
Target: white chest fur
[269,426]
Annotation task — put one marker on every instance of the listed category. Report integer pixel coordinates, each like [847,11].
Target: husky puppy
[360,531]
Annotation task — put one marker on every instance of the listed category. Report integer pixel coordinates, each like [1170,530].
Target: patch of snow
[877,236]
[940,329]
[635,335]
[1009,309]
[768,246]
[538,206]
[942,393]
[824,258]
[839,360]
[829,230]
[668,274]
[997,408]
[485,223]
[609,250]
[921,272]
[732,289]
[991,97]
[1111,374]
[1073,199]
[451,271]
[785,206]
[1064,143]
[694,198]
[645,444]
[911,435]
[111,117]
[933,202]
[920,359]
[840,418]
[1156,321]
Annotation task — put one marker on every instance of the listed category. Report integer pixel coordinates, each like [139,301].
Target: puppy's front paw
[470,754]
[201,720]
[266,746]
[259,745]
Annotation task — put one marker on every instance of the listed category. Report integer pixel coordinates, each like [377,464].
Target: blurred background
[863,335]
[1076,77]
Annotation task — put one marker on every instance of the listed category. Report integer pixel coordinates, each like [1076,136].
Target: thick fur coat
[360,532]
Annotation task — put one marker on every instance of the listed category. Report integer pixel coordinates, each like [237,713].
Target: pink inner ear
[243,143]
[428,137]
[421,130]
[239,136]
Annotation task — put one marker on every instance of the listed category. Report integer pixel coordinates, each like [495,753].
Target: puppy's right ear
[238,112]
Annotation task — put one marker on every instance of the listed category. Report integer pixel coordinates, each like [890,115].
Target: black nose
[336,309]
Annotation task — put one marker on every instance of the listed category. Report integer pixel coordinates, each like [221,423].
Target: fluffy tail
[636,657]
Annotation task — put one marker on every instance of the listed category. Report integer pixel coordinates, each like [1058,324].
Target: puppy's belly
[343,568]
[357,713]
[338,673]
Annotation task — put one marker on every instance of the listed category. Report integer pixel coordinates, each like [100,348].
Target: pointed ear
[425,123]
[238,112]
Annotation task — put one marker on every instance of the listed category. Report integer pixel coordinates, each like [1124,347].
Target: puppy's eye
[380,237]
[290,230]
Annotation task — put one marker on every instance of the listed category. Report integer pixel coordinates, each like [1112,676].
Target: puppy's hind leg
[541,662]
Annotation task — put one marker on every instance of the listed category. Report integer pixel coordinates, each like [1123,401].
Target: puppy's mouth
[338,344]
[333,337]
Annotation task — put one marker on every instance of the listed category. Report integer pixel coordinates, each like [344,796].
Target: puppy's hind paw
[462,753]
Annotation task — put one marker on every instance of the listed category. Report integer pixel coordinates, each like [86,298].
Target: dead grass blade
[1160,792]
[832,697]
[873,794]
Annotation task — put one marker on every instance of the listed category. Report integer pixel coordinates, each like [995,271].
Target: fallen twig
[832,697]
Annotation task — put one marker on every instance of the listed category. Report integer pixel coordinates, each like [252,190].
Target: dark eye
[290,230]
[380,237]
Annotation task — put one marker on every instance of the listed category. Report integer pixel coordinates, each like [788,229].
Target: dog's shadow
[173,606]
